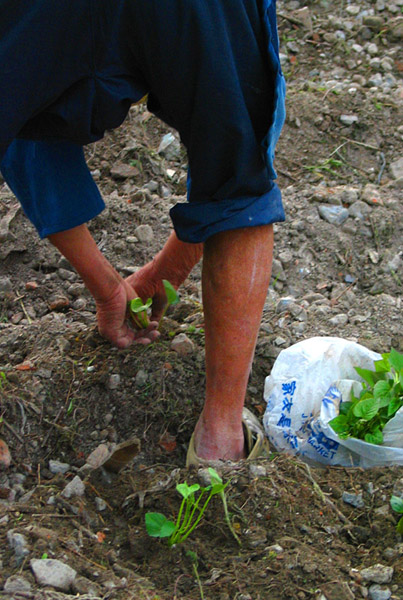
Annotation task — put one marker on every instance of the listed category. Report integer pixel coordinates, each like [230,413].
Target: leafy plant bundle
[138,309]
[397,505]
[380,399]
[191,511]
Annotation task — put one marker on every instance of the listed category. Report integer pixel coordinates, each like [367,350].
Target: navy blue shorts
[71,69]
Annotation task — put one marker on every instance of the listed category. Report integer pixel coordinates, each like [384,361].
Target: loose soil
[64,390]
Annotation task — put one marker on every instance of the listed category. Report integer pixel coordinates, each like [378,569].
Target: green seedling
[397,505]
[138,310]
[380,399]
[193,558]
[191,511]
[3,379]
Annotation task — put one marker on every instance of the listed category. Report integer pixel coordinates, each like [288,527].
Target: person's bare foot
[219,442]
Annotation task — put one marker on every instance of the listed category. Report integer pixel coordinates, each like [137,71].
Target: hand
[147,286]
[113,323]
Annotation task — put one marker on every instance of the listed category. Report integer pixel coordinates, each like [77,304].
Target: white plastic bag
[303,393]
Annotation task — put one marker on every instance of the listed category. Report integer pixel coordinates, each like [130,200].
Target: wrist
[176,260]
[80,249]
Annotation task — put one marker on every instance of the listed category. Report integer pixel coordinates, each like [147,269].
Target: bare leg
[236,275]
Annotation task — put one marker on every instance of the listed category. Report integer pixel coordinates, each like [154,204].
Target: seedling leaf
[171,293]
[397,504]
[158,525]
[396,360]
[187,490]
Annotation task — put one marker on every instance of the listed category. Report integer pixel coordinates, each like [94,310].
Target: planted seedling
[191,511]
[365,416]
[397,505]
[138,309]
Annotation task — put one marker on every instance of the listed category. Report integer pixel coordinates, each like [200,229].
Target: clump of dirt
[306,532]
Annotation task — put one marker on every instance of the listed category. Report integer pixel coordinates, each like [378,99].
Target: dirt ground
[65,392]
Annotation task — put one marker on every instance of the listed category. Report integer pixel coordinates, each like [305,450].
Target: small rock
[257,470]
[353,499]
[348,119]
[5,286]
[123,171]
[182,344]
[370,194]
[340,319]
[53,572]
[98,456]
[18,543]
[100,504]
[359,210]
[16,583]
[275,548]
[82,585]
[75,487]
[374,23]
[58,302]
[349,195]
[31,285]
[169,147]
[55,466]
[336,215]
[283,304]
[377,592]
[141,378]
[114,381]
[396,168]
[144,233]
[377,574]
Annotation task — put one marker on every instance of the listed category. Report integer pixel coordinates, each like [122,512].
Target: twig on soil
[334,301]
[292,20]
[9,427]
[321,494]
[82,556]
[25,313]
[361,144]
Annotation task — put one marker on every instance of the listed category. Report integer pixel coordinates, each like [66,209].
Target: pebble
[123,171]
[348,119]
[169,147]
[377,592]
[359,210]
[275,548]
[5,286]
[353,499]
[19,544]
[182,345]
[16,583]
[340,319]
[377,574]
[144,233]
[55,466]
[336,215]
[53,572]
[283,304]
[141,378]
[257,470]
[75,487]
[114,381]
[396,168]
[100,504]
[370,194]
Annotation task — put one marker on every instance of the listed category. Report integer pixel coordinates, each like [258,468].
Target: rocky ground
[327,533]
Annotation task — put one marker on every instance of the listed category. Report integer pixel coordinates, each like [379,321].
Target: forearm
[79,248]
[176,260]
